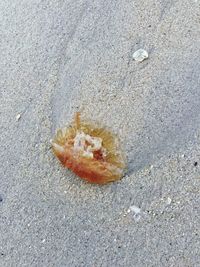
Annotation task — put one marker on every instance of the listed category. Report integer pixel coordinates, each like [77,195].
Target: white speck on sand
[140,55]
[169,201]
[135,209]
[137,212]
[18,117]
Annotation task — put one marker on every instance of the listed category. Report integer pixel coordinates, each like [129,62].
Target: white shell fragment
[135,209]
[18,117]
[140,55]
[169,201]
[136,212]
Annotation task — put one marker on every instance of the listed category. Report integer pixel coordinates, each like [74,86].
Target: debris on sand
[137,212]
[18,117]
[140,55]
[168,201]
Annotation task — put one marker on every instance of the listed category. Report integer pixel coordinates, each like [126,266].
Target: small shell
[18,117]
[140,55]
[89,151]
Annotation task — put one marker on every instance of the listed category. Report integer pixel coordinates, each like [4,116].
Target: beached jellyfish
[90,151]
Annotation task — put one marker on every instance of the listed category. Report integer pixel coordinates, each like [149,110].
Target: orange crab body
[90,152]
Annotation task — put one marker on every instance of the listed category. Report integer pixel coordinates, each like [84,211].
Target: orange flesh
[90,170]
[103,165]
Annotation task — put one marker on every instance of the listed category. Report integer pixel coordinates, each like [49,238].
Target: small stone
[183,156]
[140,55]
[195,163]
[1,199]
[18,117]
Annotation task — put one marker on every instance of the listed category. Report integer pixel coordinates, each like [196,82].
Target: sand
[59,57]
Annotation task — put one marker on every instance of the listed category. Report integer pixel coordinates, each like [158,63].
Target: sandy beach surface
[58,57]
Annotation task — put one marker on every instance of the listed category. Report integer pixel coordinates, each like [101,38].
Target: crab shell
[89,151]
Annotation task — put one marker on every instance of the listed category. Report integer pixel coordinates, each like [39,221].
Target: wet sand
[59,57]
